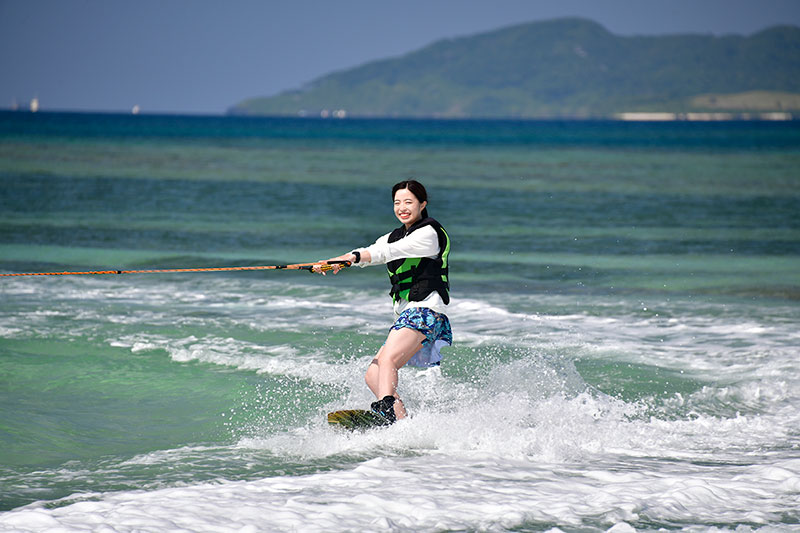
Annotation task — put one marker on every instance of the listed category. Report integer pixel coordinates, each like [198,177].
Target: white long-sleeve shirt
[422,242]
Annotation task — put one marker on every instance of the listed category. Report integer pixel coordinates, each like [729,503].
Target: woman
[416,256]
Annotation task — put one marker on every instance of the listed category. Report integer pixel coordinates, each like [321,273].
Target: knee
[386,358]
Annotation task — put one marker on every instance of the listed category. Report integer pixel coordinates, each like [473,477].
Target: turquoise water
[625,316]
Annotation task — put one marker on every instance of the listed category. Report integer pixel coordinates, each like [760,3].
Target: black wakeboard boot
[385,408]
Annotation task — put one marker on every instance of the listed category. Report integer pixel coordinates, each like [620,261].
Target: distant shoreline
[694,117]
[628,116]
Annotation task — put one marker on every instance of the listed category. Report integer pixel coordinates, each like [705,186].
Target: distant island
[564,68]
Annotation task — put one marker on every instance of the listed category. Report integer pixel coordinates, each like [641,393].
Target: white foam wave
[436,493]
[242,355]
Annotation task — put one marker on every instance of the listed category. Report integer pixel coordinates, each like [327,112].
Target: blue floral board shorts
[436,328]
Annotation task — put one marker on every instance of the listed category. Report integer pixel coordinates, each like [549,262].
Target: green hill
[560,68]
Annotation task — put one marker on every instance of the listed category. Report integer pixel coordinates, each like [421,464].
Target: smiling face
[407,208]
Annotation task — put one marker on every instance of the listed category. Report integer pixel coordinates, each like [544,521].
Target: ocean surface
[626,314]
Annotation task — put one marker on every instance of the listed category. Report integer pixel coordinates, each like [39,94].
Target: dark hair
[416,188]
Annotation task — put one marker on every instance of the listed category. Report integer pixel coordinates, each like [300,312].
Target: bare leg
[381,376]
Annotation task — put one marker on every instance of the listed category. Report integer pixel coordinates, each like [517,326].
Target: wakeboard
[356,419]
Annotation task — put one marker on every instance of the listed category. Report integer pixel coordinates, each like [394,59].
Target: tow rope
[325,266]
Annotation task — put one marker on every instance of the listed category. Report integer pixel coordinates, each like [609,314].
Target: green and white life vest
[414,278]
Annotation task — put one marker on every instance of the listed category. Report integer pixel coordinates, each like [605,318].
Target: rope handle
[327,266]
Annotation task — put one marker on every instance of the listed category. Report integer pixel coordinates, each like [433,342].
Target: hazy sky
[202,56]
